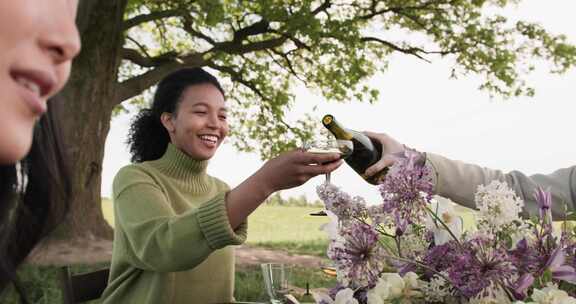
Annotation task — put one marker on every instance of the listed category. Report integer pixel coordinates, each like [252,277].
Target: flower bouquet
[411,249]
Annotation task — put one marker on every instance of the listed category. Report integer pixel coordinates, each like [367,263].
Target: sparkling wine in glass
[329,144]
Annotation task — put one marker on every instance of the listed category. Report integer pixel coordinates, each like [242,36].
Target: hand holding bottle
[391,148]
[362,152]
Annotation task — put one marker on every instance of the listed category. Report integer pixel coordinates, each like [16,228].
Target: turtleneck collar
[177,164]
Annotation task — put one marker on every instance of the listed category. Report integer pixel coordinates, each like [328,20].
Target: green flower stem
[435,216]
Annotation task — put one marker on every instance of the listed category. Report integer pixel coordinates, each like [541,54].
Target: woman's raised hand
[294,168]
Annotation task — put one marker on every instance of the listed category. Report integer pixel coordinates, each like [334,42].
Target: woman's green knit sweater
[171,234]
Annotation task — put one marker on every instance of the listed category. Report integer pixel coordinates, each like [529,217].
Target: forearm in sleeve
[459,181]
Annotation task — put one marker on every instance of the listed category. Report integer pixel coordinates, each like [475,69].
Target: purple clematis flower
[527,258]
[560,271]
[544,200]
[520,288]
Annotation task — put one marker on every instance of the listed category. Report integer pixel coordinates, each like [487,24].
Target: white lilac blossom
[436,290]
[498,206]
[343,205]
[413,244]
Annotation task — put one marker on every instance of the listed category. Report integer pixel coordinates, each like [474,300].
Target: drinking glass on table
[276,281]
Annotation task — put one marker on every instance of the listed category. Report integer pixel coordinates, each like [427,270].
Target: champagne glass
[276,281]
[325,144]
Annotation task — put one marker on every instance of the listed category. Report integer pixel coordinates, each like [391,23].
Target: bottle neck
[335,128]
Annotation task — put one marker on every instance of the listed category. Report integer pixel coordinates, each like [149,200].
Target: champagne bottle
[365,152]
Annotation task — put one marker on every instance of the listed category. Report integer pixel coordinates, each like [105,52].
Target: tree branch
[187,25]
[145,61]
[299,43]
[289,66]
[137,84]
[139,45]
[237,76]
[257,28]
[232,47]
[324,6]
[414,19]
[400,9]
[414,51]
[137,20]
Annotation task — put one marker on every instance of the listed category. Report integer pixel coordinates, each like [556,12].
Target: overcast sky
[421,107]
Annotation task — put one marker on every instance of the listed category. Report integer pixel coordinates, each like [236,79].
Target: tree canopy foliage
[264,47]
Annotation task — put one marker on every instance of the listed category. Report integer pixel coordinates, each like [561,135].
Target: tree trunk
[85,113]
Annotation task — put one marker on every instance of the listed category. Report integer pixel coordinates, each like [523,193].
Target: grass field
[289,228]
[269,223]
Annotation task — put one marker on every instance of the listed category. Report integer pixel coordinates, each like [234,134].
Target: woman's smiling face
[200,124]
[38,40]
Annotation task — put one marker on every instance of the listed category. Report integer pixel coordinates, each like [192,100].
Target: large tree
[262,48]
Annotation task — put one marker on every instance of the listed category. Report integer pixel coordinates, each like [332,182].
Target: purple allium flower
[479,267]
[442,257]
[359,258]
[406,189]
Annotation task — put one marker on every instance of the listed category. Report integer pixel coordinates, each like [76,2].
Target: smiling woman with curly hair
[174,222]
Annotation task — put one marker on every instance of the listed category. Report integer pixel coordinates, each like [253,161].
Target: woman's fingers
[317,158]
[314,170]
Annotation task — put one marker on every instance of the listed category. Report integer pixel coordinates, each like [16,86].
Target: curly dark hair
[147,137]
